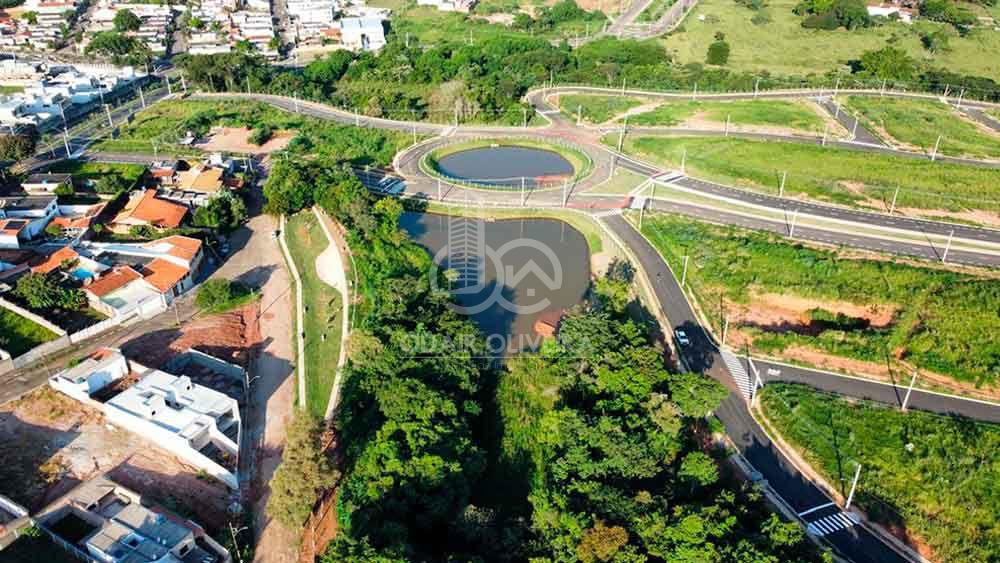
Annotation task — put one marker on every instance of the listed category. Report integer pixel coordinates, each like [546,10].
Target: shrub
[220,295]
[718,53]
[762,17]
[304,472]
[261,135]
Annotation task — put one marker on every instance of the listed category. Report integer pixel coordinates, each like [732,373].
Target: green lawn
[94,170]
[306,241]
[937,476]
[596,109]
[920,122]
[945,321]
[7,89]
[430,26]
[784,47]
[655,11]
[18,334]
[829,174]
[623,182]
[775,113]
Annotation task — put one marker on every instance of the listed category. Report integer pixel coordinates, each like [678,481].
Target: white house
[362,34]
[464,6]
[27,215]
[192,421]
[118,527]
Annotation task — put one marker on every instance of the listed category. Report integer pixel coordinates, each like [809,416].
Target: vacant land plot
[430,26]
[802,303]
[919,123]
[923,475]
[829,174]
[18,334]
[785,114]
[92,171]
[36,547]
[596,109]
[323,310]
[237,139]
[784,47]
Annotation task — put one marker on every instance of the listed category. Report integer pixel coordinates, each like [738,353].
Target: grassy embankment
[18,334]
[596,108]
[828,174]
[783,47]
[937,477]
[323,310]
[429,26]
[920,122]
[768,113]
[943,321]
[167,122]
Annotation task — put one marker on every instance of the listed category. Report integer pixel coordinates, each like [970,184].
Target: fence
[21,311]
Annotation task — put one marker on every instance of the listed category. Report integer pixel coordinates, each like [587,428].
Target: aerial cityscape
[318,281]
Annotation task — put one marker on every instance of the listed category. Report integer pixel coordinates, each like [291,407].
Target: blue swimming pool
[82,274]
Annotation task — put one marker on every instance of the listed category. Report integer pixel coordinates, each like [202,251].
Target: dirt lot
[237,139]
[228,336]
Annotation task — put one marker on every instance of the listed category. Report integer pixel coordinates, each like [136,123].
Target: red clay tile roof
[12,226]
[164,275]
[54,260]
[185,248]
[155,211]
[116,279]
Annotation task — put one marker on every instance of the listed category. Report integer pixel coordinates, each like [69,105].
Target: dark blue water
[506,166]
[515,272]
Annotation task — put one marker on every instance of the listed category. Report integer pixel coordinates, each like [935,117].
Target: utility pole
[836,87]
[725,329]
[155,152]
[107,110]
[937,144]
[684,156]
[524,118]
[756,86]
[906,398]
[882,91]
[170,91]
[854,130]
[894,196]
[795,218]
[854,485]
[579,113]
[836,112]
[565,192]
[781,188]
[248,84]
[623,86]
[523,199]
[948,246]
[414,133]
[184,85]
[295,96]
[66,142]
[694,94]
[684,274]
[621,134]
[727,124]
[142,98]
[960,95]
[826,131]
[439,190]
[357,118]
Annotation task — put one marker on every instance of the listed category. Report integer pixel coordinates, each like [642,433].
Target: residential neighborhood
[324,281]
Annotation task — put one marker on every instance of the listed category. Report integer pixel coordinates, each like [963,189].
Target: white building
[464,6]
[362,34]
[196,423]
[119,528]
[25,217]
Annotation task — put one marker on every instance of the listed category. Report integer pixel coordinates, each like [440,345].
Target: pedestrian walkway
[832,523]
[738,372]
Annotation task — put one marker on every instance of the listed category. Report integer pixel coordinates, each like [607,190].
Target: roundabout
[506,163]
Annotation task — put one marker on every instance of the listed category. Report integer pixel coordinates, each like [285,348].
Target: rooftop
[26,202]
[118,278]
[150,209]
[55,260]
[48,178]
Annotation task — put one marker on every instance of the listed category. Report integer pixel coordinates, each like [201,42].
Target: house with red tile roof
[144,208]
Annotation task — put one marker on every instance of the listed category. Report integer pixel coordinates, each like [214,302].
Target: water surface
[506,165]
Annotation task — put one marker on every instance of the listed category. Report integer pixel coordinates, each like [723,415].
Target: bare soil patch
[228,336]
[237,139]
[779,313]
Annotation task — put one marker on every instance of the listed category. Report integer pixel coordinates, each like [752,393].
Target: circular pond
[503,165]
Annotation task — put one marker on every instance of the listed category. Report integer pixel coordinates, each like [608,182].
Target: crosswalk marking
[832,523]
[609,212]
[738,372]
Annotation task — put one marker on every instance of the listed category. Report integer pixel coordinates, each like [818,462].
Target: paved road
[979,115]
[856,543]
[859,133]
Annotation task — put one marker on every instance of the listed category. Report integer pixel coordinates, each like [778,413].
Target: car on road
[390,185]
[682,338]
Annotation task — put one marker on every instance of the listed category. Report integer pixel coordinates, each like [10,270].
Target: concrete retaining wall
[31,316]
